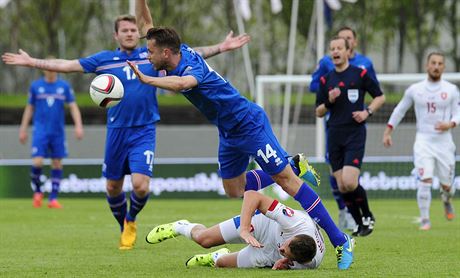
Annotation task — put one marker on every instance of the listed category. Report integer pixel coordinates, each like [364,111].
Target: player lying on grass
[278,237]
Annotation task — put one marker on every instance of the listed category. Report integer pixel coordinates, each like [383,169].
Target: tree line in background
[70,29]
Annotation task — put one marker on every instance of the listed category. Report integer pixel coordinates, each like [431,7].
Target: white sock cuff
[187,230]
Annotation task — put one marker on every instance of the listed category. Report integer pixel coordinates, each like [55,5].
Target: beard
[434,76]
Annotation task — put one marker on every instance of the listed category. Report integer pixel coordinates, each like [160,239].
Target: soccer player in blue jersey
[326,65]
[244,128]
[341,93]
[47,97]
[131,125]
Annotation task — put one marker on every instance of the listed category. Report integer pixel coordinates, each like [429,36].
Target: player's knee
[234,191]
[204,240]
[445,187]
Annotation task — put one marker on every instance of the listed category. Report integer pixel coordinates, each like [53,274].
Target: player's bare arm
[143,17]
[76,117]
[26,117]
[387,141]
[444,126]
[22,58]
[252,201]
[172,83]
[361,116]
[229,43]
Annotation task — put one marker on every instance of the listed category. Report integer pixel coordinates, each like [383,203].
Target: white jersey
[278,225]
[433,102]
[434,151]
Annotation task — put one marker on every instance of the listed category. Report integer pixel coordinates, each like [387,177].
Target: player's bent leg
[56,176]
[228,260]
[234,187]
[165,231]
[208,259]
[35,174]
[138,199]
[447,193]
[207,237]
[424,203]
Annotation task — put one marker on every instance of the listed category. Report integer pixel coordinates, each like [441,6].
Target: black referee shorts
[345,146]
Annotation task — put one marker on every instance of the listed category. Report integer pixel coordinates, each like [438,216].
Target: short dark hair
[165,37]
[124,17]
[303,248]
[346,28]
[435,53]
[347,45]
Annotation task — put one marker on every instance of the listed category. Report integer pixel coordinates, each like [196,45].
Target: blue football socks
[135,206]
[257,180]
[35,173]
[118,207]
[312,204]
[56,176]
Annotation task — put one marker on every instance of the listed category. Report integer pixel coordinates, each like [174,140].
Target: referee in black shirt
[342,93]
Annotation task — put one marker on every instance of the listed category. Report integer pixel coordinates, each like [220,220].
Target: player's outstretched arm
[26,117]
[76,117]
[229,43]
[252,201]
[171,83]
[22,58]
[143,16]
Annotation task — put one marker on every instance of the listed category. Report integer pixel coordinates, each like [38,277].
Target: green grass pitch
[81,240]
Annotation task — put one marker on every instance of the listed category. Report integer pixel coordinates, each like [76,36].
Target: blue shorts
[252,138]
[346,146]
[49,146]
[129,150]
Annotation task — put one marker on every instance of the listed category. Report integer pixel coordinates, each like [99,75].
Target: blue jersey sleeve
[90,63]
[325,65]
[31,96]
[196,71]
[194,65]
[69,93]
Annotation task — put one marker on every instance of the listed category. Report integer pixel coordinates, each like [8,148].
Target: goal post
[262,93]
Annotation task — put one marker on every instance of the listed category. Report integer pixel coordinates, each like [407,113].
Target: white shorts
[250,257]
[435,158]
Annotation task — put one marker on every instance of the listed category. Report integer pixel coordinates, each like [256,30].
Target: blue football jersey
[139,105]
[326,65]
[48,100]
[214,96]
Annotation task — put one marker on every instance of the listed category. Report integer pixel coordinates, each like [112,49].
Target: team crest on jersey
[288,212]
[50,101]
[143,55]
[187,69]
[353,95]
[60,90]
[443,95]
